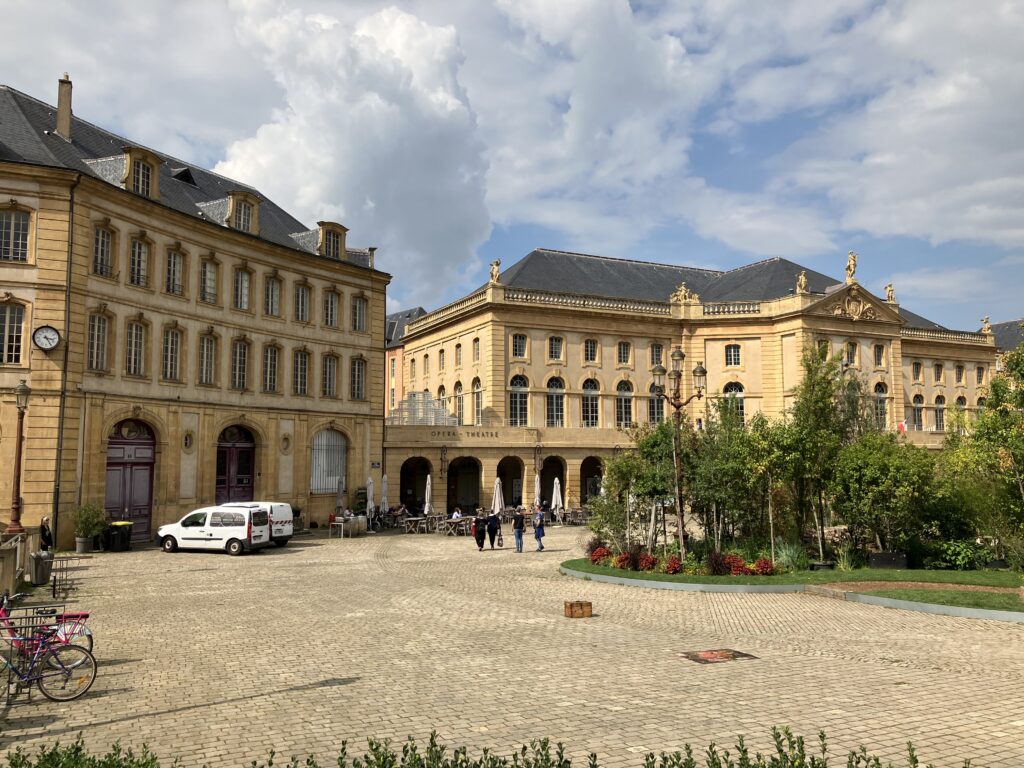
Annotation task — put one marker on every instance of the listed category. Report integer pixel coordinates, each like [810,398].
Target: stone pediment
[851,302]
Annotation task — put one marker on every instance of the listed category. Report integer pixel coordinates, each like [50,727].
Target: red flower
[648,562]
[673,564]
[764,567]
[599,555]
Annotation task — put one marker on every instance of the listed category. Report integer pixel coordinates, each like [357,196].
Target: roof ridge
[770,259]
[629,261]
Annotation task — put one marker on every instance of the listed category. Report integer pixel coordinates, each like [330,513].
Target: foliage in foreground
[788,751]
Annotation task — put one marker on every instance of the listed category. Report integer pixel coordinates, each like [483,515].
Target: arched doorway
[553,467]
[463,484]
[412,482]
[510,470]
[591,472]
[236,464]
[131,453]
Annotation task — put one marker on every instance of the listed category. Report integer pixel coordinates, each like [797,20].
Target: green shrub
[790,556]
[788,751]
[90,520]
[957,556]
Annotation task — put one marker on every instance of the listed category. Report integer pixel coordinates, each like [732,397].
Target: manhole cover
[716,656]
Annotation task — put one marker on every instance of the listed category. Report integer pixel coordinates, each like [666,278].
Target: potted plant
[90,520]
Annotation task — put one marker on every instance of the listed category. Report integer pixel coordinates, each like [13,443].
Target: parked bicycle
[61,672]
[70,628]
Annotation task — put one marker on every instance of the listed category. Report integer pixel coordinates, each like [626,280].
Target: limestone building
[186,340]
[539,371]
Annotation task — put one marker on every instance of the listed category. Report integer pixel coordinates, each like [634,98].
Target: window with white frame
[330,309]
[138,263]
[329,378]
[917,413]
[96,343]
[624,404]
[732,354]
[733,392]
[327,461]
[590,403]
[12,328]
[555,412]
[881,405]
[170,369]
[102,257]
[142,177]
[240,298]
[301,303]
[239,364]
[208,282]
[359,314]
[358,380]
[590,350]
[555,348]
[207,360]
[460,408]
[272,297]
[332,244]
[174,274]
[478,403]
[270,366]
[657,351]
[393,365]
[940,414]
[625,349]
[442,396]
[519,345]
[135,349]
[14,235]
[300,372]
[243,215]
[518,401]
[655,406]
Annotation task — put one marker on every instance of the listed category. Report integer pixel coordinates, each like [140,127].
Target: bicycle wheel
[70,634]
[67,672]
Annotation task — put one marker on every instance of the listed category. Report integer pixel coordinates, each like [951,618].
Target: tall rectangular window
[590,351]
[980,375]
[915,370]
[412,368]
[142,177]
[851,353]
[623,410]
[330,309]
[241,293]
[590,403]
[332,244]
[270,355]
[879,355]
[393,367]
[732,354]
[519,345]
[134,349]
[174,274]
[207,359]
[555,348]
[300,372]
[937,372]
[358,314]
[138,264]
[517,409]
[656,352]
[13,236]
[302,303]
[440,360]
[476,350]
[208,282]
[96,346]
[272,297]
[102,263]
[478,404]
[171,368]
[243,215]
[624,351]
[329,380]
[358,379]
[239,365]
[12,321]
[655,409]
[959,374]
[392,398]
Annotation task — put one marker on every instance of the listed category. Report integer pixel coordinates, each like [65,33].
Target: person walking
[493,526]
[518,525]
[45,535]
[538,527]
[479,528]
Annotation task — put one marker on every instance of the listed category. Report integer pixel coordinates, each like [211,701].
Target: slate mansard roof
[394,325]
[579,273]
[27,136]
[1009,335]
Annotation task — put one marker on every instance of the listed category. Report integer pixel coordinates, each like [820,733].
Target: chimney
[64,107]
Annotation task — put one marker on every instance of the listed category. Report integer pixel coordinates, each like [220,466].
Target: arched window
[478,403]
[917,413]
[981,402]
[623,404]
[441,394]
[556,403]
[327,461]
[458,355]
[460,409]
[12,331]
[591,403]
[881,406]
[961,415]
[940,414]
[655,406]
[518,397]
[733,392]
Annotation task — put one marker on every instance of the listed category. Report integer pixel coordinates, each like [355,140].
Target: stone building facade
[538,372]
[211,347]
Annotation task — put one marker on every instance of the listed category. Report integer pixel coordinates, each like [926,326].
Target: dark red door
[129,492]
[236,465]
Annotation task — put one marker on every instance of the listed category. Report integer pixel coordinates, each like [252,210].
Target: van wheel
[235,547]
[281,542]
[169,544]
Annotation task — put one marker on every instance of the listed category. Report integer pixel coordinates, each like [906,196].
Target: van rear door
[260,529]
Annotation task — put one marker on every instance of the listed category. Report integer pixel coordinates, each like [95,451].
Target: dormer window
[142,175]
[141,172]
[332,240]
[243,215]
[243,212]
[332,245]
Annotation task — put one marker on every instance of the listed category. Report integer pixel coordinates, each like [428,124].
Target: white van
[236,528]
[281,519]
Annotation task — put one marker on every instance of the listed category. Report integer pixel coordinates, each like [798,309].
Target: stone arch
[512,471]
[412,481]
[552,467]
[591,473]
[463,484]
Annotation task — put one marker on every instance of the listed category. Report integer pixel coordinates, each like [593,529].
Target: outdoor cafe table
[455,526]
[416,525]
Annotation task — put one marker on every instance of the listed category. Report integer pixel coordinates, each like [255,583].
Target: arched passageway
[412,482]
[463,484]
[591,471]
[510,470]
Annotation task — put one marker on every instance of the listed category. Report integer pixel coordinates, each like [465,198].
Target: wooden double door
[131,456]
[236,465]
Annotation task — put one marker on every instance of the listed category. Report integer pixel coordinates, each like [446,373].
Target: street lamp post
[21,394]
[675,377]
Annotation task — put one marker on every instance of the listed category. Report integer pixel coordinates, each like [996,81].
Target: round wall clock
[46,337]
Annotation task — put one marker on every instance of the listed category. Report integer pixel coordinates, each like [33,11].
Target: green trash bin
[40,567]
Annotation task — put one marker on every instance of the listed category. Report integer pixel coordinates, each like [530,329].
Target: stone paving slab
[220,659]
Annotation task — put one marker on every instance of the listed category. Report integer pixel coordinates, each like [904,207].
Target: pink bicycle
[60,628]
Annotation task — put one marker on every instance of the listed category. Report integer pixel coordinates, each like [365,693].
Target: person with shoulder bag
[479,528]
[493,526]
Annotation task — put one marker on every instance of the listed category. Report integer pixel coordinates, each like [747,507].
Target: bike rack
[19,628]
[63,580]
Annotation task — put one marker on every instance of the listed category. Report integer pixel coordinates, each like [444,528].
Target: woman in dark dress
[480,528]
[45,535]
[493,526]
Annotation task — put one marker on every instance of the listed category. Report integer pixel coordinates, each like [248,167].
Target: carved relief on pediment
[853,306]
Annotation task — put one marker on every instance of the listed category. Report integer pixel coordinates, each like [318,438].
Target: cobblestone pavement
[220,659]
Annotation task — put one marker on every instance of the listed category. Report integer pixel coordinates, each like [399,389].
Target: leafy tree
[882,484]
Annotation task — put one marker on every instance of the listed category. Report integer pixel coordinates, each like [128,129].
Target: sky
[710,133]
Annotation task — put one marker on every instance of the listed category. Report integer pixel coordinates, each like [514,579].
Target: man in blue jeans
[518,524]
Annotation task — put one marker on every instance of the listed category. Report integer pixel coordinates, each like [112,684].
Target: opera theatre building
[182,340]
[539,371]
